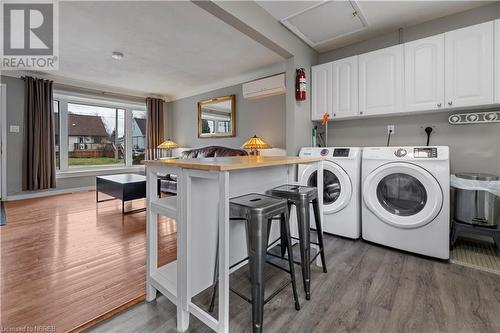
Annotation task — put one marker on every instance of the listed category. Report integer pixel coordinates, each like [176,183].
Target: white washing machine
[341,193]
[406,201]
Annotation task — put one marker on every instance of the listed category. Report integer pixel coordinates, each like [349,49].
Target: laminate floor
[66,263]
[368,288]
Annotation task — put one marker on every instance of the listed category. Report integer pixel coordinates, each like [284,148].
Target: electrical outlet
[434,129]
[391,129]
[14,128]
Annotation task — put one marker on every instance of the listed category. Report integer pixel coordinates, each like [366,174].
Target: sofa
[213,151]
[168,183]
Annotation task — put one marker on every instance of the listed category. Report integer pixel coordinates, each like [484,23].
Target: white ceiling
[381,16]
[171,49]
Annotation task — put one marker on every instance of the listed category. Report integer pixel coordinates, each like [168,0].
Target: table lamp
[168,145]
[254,144]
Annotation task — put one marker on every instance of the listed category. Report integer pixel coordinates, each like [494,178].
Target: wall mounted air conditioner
[269,86]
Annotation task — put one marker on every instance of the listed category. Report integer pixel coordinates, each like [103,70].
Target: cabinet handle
[439,105]
[450,103]
[361,112]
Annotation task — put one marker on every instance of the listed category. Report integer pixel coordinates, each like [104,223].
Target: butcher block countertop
[232,163]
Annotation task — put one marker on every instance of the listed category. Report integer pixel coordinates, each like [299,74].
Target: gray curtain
[39,171]
[154,127]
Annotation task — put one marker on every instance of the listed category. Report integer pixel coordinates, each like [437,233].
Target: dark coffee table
[125,187]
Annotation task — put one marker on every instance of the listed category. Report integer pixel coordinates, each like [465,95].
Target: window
[96,135]
[92,134]
[138,136]
[57,146]
[208,126]
[223,126]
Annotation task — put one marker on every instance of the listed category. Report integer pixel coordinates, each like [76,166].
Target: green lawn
[78,161]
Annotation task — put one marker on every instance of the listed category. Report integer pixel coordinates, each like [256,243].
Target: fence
[95,150]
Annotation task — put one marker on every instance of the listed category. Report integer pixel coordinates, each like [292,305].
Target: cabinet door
[381,81]
[424,74]
[321,92]
[469,66]
[497,61]
[345,87]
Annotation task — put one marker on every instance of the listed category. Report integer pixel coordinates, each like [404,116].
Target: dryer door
[403,195]
[337,187]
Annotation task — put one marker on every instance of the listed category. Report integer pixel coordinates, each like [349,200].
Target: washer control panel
[425,153]
[341,152]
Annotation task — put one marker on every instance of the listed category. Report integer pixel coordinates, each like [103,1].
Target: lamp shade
[168,144]
[256,143]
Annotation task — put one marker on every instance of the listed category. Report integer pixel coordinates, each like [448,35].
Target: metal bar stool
[258,211]
[301,197]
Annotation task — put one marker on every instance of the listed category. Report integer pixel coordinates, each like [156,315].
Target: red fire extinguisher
[300,85]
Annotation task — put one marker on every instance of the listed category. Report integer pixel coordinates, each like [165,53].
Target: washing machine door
[337,187]
[403,195]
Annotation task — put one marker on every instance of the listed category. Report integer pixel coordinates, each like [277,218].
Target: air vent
[326,21]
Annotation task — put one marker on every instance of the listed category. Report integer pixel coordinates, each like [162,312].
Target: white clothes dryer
[341,187]
[406,201]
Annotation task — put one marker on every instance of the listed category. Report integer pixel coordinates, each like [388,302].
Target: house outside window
[138,136]
[96,135]
[93,134]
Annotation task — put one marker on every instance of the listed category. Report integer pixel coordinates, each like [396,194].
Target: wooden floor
[368,288]
[64,263]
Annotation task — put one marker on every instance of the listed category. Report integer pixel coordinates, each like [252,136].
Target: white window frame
[64,99]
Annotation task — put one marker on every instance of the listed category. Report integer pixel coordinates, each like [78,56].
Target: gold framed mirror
[217,117]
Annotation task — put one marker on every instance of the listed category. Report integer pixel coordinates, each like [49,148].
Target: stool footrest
[274,294]
[275,265]
[297,262]
[310,242]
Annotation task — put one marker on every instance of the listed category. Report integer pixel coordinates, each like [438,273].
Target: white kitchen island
[204,187]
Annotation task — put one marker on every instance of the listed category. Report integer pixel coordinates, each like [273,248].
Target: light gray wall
[441,25]
[15,116]
[264,117]
[474,148]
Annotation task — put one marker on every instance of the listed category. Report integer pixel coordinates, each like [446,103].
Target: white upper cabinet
[457,69]
[469,66]
[497,61]
[321,97]
[345,88]
[424,74]
[381,81]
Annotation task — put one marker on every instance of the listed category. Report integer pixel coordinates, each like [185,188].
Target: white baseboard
[48,193]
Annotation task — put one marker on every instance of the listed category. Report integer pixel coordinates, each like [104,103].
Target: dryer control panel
[341,152]
[425,153]
[324,152]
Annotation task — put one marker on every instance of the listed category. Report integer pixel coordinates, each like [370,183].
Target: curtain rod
[75,89]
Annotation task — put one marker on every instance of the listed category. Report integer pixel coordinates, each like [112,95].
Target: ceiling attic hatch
[326,21]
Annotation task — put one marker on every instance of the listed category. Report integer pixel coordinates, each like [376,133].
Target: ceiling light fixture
[117,55]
